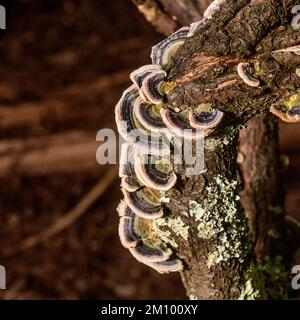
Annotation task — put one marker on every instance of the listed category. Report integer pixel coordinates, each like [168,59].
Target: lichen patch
[221,219]
[165,227]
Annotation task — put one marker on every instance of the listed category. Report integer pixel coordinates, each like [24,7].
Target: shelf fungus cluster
[288,110]
[148,126]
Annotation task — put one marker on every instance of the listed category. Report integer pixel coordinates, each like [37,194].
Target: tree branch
[219,255]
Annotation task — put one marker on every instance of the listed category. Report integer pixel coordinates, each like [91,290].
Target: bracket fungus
[213,8]
[148,124]
[288,110]
[145,253]
[206,119]
[170,265]
[179,124]
[126,169]
[162,52]
[244,70]
[152,87]
[128,237]
[132,130]
[155,172]
[144,202]
[194,27]
[289,116]
[135,235]
[149,116]
[138,75]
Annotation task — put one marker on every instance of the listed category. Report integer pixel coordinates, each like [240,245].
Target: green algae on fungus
[176,225]
[257,69]
[203,107]
[292,102]
[221,219]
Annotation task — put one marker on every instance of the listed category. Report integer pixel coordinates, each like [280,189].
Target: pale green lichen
[195,210]
[211,143]
[248,292]
[164,235]
[164,198]
[253,288]
[221,219]
[171,226]
[231,132]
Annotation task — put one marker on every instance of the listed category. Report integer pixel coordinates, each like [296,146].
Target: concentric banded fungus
[130,184]
[194,27]
[144,203]
[171,265]
[124,211]
[152,87]
[290,116]
[136,234]
[127,234]
[162,52]
[126,169]
[244,71]
[296,9]
[138,75]
[149,116]
[154,172]
[180,125]
[132,130]
[206,119]
[146,254]
[213,8]
[294,114]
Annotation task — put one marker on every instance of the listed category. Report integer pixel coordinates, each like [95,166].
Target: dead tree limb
[204,70]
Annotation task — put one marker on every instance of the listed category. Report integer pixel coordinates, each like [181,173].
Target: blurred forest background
[64,65]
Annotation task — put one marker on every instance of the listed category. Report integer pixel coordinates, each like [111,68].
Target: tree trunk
[231,242]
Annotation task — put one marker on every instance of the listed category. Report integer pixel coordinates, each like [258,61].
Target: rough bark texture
[263,195]
[219,253]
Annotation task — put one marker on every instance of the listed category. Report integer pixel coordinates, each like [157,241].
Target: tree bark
[222,263]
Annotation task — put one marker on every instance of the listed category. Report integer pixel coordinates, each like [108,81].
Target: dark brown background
[64,65]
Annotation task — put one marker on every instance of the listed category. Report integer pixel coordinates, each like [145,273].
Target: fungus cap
[144,203]
[162,53]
